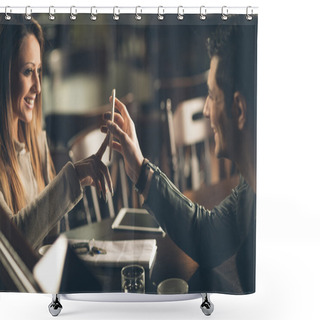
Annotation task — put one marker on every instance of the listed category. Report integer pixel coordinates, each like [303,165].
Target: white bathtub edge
[129,297]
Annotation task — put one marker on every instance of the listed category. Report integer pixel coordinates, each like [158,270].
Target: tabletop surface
[171,261]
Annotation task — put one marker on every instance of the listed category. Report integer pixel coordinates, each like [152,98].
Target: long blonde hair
[12,34]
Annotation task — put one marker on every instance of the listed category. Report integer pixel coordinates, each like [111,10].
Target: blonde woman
[30,193]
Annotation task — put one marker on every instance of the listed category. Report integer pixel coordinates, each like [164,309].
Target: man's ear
[239,109]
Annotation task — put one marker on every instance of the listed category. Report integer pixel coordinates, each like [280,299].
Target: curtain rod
[116,11]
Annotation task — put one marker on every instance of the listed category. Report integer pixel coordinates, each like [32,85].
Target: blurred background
[159,72]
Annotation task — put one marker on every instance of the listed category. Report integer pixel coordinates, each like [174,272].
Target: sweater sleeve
[207,236]
[43,213]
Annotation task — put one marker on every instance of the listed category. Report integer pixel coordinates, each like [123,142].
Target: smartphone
[112,119]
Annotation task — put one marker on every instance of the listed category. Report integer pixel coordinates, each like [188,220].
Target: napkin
[121,253]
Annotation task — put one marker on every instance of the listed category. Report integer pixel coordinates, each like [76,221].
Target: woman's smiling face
[26,80]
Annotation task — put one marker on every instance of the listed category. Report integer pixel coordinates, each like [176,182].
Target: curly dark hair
[235,47]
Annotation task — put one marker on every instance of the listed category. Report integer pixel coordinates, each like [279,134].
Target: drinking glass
[133,279]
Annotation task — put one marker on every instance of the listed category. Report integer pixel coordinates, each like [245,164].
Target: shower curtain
[188,82]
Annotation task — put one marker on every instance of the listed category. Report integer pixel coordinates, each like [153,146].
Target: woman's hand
[124,130]
[93,172]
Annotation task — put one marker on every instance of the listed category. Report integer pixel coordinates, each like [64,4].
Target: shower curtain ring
[52,11]
[224,13]
[249,13]
[160,13]
[116,13]
[138,15]
[203,13]
[73,13]
[7,10]
[180,13]
[93,13]
[28,13]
